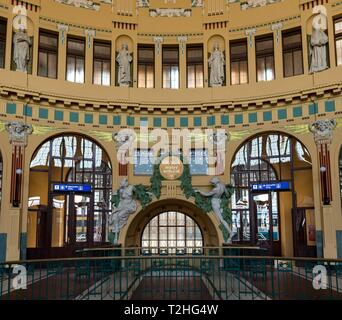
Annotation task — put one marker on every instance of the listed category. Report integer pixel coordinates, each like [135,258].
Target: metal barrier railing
[172,277]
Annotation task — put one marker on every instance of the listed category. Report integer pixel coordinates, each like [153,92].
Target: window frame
[264,55]
[292,49]
[146,64]
[173,48]
[337,36]
[75,56]
[48,51]
[4,21]
[231,44]
[195,64]
[102,60]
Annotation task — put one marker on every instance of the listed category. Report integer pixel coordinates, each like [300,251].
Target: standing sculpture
[126,206]
[124,59]
[216,195]
[21,49]
[216,64]
[319,41]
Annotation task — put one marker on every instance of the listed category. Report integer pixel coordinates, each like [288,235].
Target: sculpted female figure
[216,64]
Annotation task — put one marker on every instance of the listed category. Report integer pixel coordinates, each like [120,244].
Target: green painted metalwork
[122,273]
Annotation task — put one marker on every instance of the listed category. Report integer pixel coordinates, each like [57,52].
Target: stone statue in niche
[126,206]
[124,59]
[21,49]
[216,65]
[216,195]
[319,41]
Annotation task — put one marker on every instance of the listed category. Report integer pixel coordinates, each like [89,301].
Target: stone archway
[132,237]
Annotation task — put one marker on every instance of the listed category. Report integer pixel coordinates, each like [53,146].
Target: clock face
[171,168]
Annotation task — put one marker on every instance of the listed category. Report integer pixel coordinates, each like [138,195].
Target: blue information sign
[272,186]
[63,187]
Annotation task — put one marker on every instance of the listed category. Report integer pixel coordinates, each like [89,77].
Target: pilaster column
[18,133]
[250,34]
[182,40]
[323,134]
[62,50]
[158,61]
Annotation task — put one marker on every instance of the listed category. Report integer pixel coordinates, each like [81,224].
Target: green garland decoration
[144,194]
[156,181]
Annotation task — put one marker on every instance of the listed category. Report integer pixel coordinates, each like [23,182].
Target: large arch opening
[273,203]
[69,196]
[172,232]
[167,217]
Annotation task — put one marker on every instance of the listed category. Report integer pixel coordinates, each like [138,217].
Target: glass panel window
[292,53]
[199,162]
[265,58]
[75,60]
[171,67]
[195,67]
[172,231]
[102,63]
[143,162]
[3,31]
[48,53]
[338,40]
[239,62]
[145,67]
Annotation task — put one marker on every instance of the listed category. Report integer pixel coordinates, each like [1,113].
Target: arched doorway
[273,198]
[170,217]
[69,196]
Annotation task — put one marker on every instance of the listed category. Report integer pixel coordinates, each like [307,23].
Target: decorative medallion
[171,168]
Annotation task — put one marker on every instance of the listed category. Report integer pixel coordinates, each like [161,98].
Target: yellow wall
[280,94]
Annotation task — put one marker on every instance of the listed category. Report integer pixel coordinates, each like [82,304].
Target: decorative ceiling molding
[86,4]
[170,12]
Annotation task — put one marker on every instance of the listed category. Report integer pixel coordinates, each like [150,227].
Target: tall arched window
[266,160]
[69,194]
[172,232]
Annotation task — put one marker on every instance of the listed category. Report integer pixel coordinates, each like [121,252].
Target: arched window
[172,232]
[69,194]
[267,159]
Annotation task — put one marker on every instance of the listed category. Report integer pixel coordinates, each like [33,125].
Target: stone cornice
[252,103]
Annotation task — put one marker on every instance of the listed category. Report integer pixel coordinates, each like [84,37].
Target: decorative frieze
[170,12]
[86,4]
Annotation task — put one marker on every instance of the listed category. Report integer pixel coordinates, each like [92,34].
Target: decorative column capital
[182,40]
[122,137]
[89,33]
[158,41]
[250,33]
[62,28]
[276,27]
[323,131]
[18,132]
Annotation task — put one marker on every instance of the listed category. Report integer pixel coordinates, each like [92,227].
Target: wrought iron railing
[172,277]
